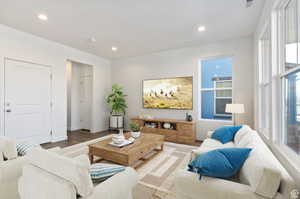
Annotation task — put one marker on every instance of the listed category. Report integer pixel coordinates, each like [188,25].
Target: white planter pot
[135,134]
[116,121]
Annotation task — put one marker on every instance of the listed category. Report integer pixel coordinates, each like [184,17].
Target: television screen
[171,93]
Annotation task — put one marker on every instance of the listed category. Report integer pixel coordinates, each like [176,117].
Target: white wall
[185,62]
[24,46]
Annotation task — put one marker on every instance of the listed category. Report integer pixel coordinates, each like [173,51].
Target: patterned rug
[156,176]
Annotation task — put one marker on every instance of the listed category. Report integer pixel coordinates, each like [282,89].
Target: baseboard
[60,138]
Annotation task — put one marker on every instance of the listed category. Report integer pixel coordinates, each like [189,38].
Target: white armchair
[59,177]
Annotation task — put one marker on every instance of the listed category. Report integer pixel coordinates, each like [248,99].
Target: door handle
[8,110]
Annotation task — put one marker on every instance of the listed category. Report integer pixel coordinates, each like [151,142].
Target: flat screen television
[168,93]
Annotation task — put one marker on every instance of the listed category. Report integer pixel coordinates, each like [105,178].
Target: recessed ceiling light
[93,39]
[43,17]
[114,48]
[201,28]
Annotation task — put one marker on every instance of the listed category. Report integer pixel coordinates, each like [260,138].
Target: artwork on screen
[170,93]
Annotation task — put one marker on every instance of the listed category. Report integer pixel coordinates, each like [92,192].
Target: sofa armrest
[209,134]
[55,149]
[188,185]
[116,187]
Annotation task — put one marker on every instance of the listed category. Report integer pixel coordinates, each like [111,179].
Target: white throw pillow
[1,157]
[8,148]
[76,171]
[257,171]
[248,140]
[241,133]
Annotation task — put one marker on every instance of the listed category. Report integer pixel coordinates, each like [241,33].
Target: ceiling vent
[249,3]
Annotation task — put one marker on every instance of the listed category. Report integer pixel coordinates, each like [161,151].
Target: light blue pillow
[102,171]
[24,147]
[225,134]
[220,163]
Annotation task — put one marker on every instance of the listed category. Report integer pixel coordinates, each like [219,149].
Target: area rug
[156,176]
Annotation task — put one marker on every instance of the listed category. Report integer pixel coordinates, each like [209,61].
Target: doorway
[79,95]
[27,107]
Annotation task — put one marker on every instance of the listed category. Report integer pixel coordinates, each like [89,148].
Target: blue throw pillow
[220,163]
[226,133]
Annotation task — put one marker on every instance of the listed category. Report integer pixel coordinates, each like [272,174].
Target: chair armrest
[11,170]
[37,183]
[117,187]
[188,185]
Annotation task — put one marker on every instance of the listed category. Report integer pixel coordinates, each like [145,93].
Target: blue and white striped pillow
[101,171]
[24,147]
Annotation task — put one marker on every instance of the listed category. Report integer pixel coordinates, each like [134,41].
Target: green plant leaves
[116,100]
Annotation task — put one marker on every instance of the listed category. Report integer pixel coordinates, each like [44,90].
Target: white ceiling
[136,27]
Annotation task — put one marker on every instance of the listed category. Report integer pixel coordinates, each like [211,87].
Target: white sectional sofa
[261,177]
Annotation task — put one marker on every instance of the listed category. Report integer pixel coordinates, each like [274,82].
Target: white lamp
[235,109]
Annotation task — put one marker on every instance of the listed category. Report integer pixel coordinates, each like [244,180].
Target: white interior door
[85,101]
[27,101]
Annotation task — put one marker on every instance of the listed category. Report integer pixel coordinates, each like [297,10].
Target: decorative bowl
[135,134]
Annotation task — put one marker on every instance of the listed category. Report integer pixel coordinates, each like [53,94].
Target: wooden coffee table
[130,154]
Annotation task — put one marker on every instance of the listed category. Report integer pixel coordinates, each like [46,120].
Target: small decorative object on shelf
[188,117]
[135,130]
[167,125]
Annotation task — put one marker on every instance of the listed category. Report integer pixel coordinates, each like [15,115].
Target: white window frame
[278,75]
[265,82]
[215,96]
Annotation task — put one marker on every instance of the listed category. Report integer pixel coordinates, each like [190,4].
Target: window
[291,78]
[216,88]
[265,82]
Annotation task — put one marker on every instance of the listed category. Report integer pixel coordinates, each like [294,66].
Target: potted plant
[135,130]
[117,102]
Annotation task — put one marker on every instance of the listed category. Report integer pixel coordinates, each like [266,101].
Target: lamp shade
[235,108]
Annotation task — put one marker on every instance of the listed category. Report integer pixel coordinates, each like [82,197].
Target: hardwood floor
[76,137]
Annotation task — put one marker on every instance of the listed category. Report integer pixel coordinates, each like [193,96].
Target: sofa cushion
[225,134]
[75,171]
[220,163]
[9,149]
